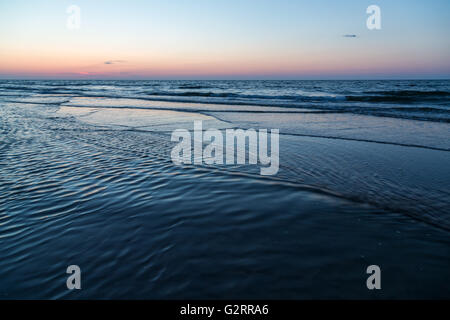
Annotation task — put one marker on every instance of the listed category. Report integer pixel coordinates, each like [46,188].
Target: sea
[87,179]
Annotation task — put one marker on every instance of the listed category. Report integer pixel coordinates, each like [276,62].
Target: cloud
[114,61]
[350,36]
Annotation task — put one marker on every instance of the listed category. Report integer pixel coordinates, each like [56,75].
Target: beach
[87,179]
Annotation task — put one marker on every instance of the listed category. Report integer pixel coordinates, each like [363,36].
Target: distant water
[422,100]
[86,178]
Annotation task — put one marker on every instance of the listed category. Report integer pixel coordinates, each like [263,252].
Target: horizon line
[225,79]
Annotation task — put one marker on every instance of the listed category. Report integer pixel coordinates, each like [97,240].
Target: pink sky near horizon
[65,65]
[129,42]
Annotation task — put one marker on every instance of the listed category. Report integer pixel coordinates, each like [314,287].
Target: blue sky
[224,39]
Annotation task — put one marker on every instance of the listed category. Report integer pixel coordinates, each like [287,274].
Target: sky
[224,39]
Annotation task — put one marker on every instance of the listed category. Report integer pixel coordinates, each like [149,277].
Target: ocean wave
[434,114]
[417,100]
[44,90]
[193,87]
[411,93]
[421,110]
[400,96]
[16,88]
[210,94]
